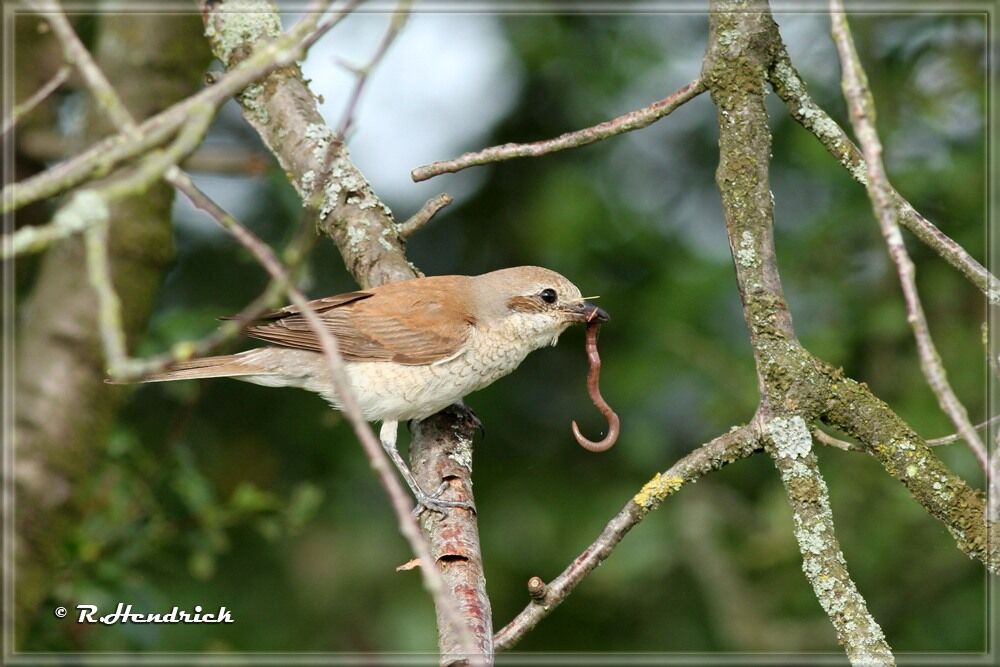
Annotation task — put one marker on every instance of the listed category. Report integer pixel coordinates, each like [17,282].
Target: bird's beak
[585,311]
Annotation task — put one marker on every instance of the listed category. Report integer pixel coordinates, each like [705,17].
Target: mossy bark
[744,46]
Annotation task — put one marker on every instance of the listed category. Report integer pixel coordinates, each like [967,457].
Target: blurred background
[223,493]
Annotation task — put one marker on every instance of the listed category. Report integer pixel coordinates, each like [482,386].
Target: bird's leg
[429,501]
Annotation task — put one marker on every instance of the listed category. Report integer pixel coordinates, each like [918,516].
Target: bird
[411,348]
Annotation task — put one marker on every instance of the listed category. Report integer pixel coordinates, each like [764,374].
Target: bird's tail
[229,365]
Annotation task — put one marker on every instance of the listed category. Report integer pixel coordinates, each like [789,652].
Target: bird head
[533,303]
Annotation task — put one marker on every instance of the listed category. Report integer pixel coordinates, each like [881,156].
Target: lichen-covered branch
[284,112]
[742,44]
[633,120]
[790,446]
[744,47]
[851,407]
[734,445]
[792,380]
[792,90]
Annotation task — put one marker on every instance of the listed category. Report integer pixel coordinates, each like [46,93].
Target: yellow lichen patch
[656,490]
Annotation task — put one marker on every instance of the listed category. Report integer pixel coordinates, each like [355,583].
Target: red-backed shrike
[411,348]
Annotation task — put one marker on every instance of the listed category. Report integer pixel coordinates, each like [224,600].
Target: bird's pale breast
[392,391]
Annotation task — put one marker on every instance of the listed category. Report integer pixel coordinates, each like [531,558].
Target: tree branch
[51,86]
[443,457]
[790,446]
[87,207]
[430,208]
[76,54]
[732,446]
[792,90]
[792,380]
[742,41]
[633,120]
[862,112]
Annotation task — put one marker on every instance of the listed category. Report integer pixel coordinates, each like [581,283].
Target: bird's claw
[434,503]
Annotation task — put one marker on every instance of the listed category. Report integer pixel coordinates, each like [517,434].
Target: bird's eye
[548,295]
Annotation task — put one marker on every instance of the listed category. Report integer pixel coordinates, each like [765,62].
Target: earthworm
[595,395]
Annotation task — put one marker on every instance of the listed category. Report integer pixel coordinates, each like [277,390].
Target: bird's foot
[477,422]
[434,503]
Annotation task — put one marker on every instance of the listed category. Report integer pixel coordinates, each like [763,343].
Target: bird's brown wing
[318,305]
[412,323]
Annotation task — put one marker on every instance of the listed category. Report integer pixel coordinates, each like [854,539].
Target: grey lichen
[790,436]
[306,184]
[344,180]
[746,254]
[859,171]
[383,241]
[462,455]
[255,104]
[356,235]
[241,22]
[823,126]
[84,210]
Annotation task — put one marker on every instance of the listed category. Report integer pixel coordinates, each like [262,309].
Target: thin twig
[633,120]
[954,437]
[40,96]
[862,113]
[396,23]
[323,27]
[108,153]
[832,441]
[85,207]
[76,54]
[430,208]
[728,447]
[49,146]
[792,90]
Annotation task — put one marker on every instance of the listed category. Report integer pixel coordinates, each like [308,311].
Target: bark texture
[442,455]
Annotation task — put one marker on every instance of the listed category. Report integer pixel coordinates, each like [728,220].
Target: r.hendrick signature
[123,614]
